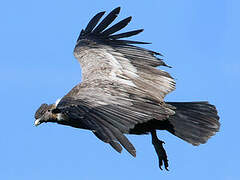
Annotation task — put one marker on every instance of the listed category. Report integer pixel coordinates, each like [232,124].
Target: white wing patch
[57,101]
[60,116]
[121,69]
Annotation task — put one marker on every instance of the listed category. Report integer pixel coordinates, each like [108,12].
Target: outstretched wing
[102,54]
[109,111]
[121,86]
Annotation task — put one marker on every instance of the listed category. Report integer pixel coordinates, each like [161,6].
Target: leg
[161,153]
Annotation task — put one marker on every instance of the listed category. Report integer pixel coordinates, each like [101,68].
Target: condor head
[45,113]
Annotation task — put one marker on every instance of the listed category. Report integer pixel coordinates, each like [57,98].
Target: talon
[161,153]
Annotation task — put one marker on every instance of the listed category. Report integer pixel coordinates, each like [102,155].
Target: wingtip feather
[107,20]
[126,34]
[93,22]
[117,27]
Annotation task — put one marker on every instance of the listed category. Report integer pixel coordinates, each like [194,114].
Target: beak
[37,122]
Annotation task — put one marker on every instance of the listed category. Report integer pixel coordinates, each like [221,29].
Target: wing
[109,111]
[102,54]
[121,86]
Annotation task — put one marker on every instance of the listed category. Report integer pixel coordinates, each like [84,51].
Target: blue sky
[199,39]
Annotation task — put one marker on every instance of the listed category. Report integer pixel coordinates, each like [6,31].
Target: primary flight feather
[122,92]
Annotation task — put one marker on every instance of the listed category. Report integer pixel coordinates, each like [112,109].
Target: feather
[111,138]
[106,136]
[125,114]
[93,22]
[116,27]
[119,113]
[126,34]
[112,120]
[124,142]
[138,56]
[107,20]
[116,146]
[117,134]
[129,42]
[194,122]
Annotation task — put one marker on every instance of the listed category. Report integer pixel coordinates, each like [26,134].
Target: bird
[122,92]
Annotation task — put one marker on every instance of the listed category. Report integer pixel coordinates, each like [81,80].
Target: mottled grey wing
[103,54]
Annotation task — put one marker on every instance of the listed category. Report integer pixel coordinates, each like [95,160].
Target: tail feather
[194,122]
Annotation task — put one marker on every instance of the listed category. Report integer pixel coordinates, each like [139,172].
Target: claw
[161,153]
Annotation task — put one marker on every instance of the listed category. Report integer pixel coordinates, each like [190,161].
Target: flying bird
[122,92]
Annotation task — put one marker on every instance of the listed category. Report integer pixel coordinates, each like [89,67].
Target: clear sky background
[199,39]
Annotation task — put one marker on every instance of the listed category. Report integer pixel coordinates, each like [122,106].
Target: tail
[194,122]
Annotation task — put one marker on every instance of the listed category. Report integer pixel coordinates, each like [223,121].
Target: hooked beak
[37,122]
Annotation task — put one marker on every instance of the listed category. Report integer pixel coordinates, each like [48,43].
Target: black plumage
[116,27]
[93,22]
[107,20]
[126,34]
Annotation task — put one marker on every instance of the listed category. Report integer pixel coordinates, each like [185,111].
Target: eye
[49,110]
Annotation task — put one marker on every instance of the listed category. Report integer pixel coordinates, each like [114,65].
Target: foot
[161,153]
